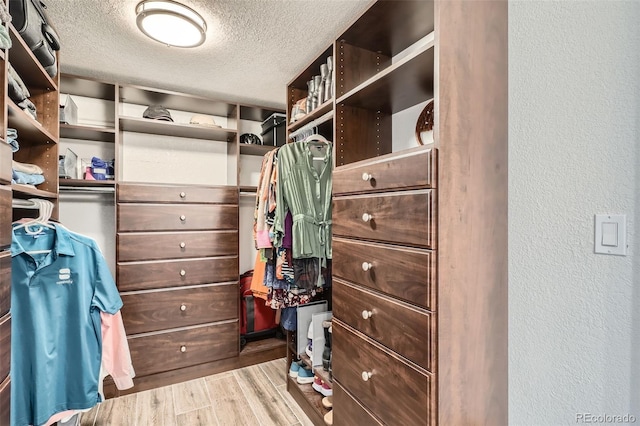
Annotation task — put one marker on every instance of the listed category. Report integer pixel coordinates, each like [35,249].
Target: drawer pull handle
[183,307]
[367,314]
[183,349]
[366,176]
[183,272]
[366,217]
[366,375]
[183,194]
[183,218]
[366,266]
[183,244]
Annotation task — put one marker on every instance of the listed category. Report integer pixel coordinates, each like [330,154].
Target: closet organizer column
[177,271]
[38,141]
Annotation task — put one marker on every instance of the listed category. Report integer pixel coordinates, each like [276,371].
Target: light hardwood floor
[254,395]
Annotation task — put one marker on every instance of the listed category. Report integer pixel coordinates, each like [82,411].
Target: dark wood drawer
[5,162]
[176,245]
[396,393]
[6,216]
[413,169]
[172,217]
[347,411]
[5,346]
[401,217]
[161,310]
[176,349]
[5,401]
[158,274]
[405,273]
[403,328]
[5,282]
[138,193]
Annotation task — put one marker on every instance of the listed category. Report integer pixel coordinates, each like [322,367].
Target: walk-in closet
[275,233]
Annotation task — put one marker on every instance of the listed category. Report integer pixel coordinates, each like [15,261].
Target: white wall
[574,117]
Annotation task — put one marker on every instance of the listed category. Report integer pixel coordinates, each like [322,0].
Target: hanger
[45,209]
[316,139]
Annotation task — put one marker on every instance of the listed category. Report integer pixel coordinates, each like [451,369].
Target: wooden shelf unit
[27,66]
[395,56]
[318,371]
[101,134]
[314,115]
[167,128]
[25,191]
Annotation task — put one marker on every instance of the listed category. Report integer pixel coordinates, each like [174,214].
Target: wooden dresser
[177,272]
[384,227]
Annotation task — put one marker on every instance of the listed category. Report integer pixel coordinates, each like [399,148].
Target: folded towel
[12,139]
[26,178]
[28,107]
[27,168]
[21,87]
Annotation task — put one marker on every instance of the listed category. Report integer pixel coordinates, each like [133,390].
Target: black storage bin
[274,130]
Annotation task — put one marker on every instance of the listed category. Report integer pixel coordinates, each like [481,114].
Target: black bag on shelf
[30,19]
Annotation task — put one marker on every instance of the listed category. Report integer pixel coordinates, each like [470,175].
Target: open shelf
[398,87]
[255,113]
[248,190]
[81,86]
[259,150]
[173,100]
[102,134]
[309,400]
[29,129]
[167,128]
[26,64]
[318,371]
[390,26]
[24,191]
[316,113]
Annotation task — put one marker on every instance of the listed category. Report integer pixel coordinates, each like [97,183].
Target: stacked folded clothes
[27,174]
[19,93]
[12,139]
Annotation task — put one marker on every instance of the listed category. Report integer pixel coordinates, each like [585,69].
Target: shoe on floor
[322,387]
[328,418]
[305,376]
[293,370]
[327,402]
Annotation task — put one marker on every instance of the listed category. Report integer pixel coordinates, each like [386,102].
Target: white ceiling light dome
[171,23]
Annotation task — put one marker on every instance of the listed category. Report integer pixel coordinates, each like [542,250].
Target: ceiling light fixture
[171,23]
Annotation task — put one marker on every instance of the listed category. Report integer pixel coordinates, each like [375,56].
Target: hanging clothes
[304,188]
[60,286]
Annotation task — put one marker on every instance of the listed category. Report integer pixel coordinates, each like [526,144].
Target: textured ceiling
[253,47]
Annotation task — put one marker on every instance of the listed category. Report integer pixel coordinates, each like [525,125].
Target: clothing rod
[311,124]
[86,189]
[23,204]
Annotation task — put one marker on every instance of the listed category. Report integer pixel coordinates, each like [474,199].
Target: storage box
[69,112]
[274,130]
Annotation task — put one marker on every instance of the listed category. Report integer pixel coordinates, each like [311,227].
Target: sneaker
[293,370]
[305,376]
[322,387]
[327,402]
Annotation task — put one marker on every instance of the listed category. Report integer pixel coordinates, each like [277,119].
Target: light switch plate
[611,234]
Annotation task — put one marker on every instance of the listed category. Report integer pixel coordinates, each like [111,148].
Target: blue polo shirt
[56,336]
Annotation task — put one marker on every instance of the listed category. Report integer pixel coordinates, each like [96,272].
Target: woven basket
[425,122]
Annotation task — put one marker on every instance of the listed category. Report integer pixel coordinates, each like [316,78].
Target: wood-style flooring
[254,395]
